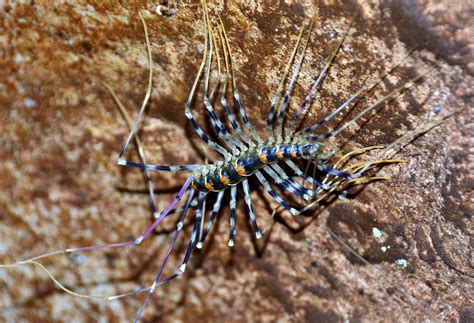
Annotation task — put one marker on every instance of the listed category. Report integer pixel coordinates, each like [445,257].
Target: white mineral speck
[29,103]
[19,58]
[402,262]
[376,232]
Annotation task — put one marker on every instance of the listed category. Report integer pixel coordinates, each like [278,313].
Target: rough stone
[61,134]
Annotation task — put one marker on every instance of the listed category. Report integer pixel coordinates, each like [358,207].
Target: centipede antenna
[407,138]
[223,99]
[179,228]
[359,95]
[276,96]
[289,89]
[418,131]
[235,90]
[317,82]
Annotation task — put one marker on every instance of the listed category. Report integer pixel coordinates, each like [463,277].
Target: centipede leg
[132,243]
[281,172]
[233,201]
[121,161]
[315,85]
[276,96]
[219,128]
[223,100]
[141,152]
[215,212]
[189,115]
[248,204]
[286,97]
[300,173]
[170,248]
[358,96]
[274,195]
[236,93]
[285,184]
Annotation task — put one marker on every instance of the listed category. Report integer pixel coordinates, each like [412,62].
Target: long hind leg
[182,268]
[134,128]
[131,243]
[140,150]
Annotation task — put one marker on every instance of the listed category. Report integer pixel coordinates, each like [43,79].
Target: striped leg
[188,112]
[301,174]
[248,203]
[276,97]
[285,184]
[173,241]
[361,93]
[284,103]
[274,195]
[143,165]
[236,93]
[223,99]
[134,242]
[141,152]
[215,211]
[332,171]
[316,83]
[378,104]
[219,128]
[232,231]
[290,181]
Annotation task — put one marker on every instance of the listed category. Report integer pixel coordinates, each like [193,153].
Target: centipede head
[318,150]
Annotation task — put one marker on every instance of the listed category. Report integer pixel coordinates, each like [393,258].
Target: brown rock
[61,133]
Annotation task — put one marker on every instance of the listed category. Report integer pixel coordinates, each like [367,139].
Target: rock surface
[61,133]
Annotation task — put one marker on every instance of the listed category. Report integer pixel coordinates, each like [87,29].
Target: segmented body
[224,174]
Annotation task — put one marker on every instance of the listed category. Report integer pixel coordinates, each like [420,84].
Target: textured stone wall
[60,185]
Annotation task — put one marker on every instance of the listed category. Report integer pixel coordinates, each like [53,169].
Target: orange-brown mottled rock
[60,185]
